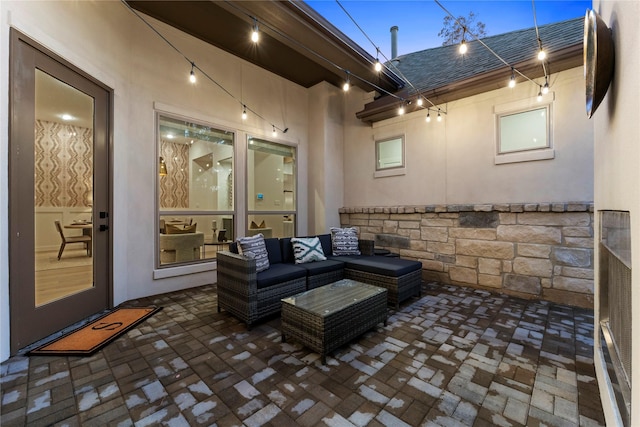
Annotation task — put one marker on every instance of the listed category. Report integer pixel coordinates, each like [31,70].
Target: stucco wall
[452,162]
[617,176]
[108,42]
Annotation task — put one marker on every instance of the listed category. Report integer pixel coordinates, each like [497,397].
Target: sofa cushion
[325,240]
[344,241]
[254,247]
[392,267]
[279,273]
[273,249]
[286,249]
[307,249]
[320,267]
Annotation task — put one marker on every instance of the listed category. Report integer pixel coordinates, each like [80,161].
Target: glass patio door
[59,246]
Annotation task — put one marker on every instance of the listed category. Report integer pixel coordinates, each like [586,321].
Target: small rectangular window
[390,153]
[526,130]
[523,132]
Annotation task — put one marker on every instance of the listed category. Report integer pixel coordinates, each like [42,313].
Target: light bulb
[463,47]
[439,117]
[419,102]
[378,66]
[541,54]
[428,119]
[346,86]
[244,114]
[255,36]
[545,88]
[192,74]
[540,95]
[401,110]
[274,133]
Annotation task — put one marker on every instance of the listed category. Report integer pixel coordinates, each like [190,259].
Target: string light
[401,110]
[545,88]
[463,44]
[192,74]
[255,35]
[346,84]
[273,132]
[244,112]
[378,65]
[541,53]
[540,94]
[428,118]
[463,47]
[193,66]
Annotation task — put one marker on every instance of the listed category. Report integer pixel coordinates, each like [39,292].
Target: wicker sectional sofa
[251,296]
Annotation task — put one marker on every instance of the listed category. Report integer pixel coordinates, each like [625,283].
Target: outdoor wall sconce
[599,60]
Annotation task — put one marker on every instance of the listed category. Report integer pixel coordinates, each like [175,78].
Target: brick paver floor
[454,357]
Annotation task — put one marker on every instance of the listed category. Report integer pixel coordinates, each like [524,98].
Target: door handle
[103,227]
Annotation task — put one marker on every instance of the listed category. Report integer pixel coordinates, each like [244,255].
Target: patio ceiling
[296,42]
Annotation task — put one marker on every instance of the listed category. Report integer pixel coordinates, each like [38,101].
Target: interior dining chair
[73,239]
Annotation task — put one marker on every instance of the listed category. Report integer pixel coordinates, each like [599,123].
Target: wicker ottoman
[330,316]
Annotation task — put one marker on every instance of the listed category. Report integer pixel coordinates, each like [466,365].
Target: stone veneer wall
[531,250]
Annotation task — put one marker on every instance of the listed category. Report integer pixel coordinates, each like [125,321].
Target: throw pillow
[255,246]
[307,249]
[344,241]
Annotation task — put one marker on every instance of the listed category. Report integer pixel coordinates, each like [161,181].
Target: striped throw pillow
[254,247]
[344,241]
[307,249]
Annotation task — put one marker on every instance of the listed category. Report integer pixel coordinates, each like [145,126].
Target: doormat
[93,336]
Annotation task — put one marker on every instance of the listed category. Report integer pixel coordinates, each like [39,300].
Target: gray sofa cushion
[279,273]
[392,267]
[273,249]
[325,241]
[286,249]
[320,267]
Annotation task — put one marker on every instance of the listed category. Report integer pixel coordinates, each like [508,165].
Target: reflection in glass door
[63,190]
[271,189]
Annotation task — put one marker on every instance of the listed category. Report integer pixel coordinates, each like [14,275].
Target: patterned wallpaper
[63,165]
[174,187]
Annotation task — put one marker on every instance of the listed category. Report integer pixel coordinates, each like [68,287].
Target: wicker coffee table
[327,317]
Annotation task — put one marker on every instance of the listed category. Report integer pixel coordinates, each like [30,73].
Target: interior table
[330,316]
[86,227]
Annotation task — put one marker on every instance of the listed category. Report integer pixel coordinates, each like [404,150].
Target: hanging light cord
[194,65]
[325,59]
[393,66]
[535,24]
[484,44]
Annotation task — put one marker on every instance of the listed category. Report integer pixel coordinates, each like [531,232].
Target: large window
[271,189]
[195,190]
[523,132]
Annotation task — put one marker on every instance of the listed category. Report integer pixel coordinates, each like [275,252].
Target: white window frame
[523,106]
[390,170]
